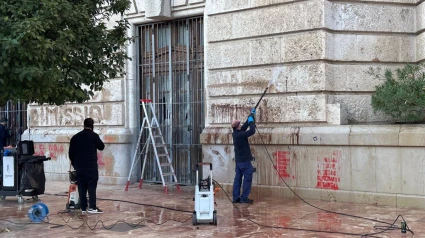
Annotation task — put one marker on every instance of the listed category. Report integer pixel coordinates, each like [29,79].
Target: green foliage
[402,96]
[57,51]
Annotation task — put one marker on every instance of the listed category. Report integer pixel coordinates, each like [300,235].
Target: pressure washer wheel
[35,198]
[20,199]
[194,221]
[214,222]
[2,197]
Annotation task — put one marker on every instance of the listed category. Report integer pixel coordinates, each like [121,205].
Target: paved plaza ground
[149,212]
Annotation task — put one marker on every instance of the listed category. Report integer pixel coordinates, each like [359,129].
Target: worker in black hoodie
[4,133]
[83,155]
[243,158]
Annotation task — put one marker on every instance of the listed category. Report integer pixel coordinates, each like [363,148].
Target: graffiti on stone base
[56,150]
[100,161]
[52,150]
[282,160]
[328,171]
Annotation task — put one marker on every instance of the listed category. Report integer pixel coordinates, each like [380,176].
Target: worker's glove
[253,111]
[250,119]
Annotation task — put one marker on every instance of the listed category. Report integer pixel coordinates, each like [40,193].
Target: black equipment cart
[22,173]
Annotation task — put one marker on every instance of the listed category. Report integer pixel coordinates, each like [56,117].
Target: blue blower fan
[38,212]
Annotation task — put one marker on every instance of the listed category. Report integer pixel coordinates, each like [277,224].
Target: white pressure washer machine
[204,199]
[73,201]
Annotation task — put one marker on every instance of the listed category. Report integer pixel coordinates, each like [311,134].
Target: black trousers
[87,182]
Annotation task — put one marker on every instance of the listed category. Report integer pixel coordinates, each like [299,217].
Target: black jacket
[4,134]
[83,150]
[240,141]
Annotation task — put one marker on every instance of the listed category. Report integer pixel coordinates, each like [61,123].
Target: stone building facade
[316,126]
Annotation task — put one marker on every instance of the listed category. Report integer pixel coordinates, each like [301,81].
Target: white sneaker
[84,211]
[95,210]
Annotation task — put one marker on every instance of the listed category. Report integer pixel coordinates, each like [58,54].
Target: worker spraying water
[243,155]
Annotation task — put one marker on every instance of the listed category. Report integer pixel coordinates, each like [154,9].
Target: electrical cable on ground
[133,225]
[129,224]
[130,202]
[56,225]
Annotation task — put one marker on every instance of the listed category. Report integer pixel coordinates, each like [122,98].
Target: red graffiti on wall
[39,150]
[327,171]
[282,159]
[100,161]
[55,150]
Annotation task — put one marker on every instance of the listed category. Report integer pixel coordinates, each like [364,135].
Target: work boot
[237,200]
[247,200]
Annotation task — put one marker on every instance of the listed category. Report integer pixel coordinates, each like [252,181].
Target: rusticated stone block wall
[309,49]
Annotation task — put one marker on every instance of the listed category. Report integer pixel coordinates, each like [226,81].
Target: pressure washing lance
[264,93]
[271,82]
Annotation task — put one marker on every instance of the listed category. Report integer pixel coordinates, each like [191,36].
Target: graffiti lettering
[55,150]
[282,159]
[328,170]
[39,149]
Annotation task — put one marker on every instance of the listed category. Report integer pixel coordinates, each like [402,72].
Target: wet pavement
[150,212]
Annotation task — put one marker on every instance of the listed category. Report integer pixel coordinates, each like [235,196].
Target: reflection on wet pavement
[152,213]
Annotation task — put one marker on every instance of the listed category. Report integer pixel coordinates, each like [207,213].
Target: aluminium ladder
[156,139]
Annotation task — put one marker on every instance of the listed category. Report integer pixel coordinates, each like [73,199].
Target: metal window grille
[171,74]
[16,114]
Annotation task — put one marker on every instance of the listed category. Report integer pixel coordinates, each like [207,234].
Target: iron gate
[171,74]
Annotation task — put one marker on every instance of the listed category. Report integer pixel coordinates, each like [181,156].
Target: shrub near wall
[402,95]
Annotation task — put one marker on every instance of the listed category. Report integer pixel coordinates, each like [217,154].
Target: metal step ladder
[156,140]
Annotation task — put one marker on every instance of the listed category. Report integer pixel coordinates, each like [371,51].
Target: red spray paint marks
[55,150]
[328,171]
[282,159]
[328,221]
[39,150]
[100,161]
